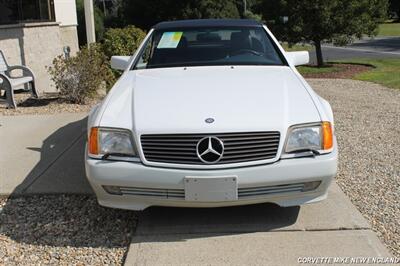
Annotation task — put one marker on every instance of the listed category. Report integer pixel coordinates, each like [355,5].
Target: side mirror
[120,62]
[298,58]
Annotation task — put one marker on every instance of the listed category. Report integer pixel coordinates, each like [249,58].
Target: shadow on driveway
[54,204]
[61,167]
[225,220]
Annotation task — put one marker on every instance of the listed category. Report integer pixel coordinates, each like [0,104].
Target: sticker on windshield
[169,40]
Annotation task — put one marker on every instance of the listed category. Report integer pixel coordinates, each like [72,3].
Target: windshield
[208,47]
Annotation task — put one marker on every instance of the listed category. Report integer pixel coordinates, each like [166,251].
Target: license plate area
[208,189]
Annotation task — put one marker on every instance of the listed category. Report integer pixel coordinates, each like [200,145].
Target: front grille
[269,190]
[238,147]
[153,192]
[243,193]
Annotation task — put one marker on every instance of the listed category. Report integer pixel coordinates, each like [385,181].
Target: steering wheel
[247,51]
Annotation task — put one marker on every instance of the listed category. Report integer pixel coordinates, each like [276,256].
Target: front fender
[92,117]
[327,109]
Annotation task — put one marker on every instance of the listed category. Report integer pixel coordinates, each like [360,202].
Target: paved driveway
[387,47]
[378,45]
[253,235]
[42,154]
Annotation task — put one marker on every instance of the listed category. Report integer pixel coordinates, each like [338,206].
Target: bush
[78,78]
[123,41]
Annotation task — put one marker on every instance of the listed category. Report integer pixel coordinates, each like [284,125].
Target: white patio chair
[10,83]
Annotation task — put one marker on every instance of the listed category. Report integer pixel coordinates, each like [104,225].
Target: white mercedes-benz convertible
[210,113]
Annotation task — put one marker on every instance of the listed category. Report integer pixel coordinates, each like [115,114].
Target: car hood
[179,100]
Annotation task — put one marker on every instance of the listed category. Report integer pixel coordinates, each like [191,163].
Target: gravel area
[62,230]
[46,104]
[367,122]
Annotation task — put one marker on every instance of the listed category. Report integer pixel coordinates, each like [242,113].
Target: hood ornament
[210,120]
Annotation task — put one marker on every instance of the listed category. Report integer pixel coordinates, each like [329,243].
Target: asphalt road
[387,47]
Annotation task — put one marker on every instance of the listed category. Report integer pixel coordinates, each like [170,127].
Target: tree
[246,8]
[146,13]
[114,17]
[317,21]
[210,9]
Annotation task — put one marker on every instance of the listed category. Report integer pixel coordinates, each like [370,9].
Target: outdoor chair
[10,83]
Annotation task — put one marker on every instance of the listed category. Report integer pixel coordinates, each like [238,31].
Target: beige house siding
[36,45]
[65,11]
[69,37]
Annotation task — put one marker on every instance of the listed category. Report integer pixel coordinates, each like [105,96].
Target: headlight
[316,137]
[108,141]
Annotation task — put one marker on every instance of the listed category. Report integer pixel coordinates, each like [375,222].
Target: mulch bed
[344,71]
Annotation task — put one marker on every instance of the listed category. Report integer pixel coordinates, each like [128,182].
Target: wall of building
[69,37]
[34,45]
[37,44]
[65,11]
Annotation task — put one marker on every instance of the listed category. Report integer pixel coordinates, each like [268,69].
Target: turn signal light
[327,136]
[93,141]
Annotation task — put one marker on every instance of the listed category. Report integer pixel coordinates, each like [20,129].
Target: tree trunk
[318,51]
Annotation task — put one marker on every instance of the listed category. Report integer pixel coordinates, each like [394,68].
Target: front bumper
[284,172]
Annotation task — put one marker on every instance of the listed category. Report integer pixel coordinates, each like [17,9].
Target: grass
[389,29]
[385,72]
[296,47]
[317,70]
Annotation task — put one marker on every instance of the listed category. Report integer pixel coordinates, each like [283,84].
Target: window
[209,46]
[15,11]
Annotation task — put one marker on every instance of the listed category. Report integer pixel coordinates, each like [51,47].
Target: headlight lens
[110,141]
[115,142]
[310,137]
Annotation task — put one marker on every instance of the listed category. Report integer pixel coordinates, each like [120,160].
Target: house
[34,32]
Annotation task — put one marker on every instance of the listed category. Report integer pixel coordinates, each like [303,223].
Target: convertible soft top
[194,23]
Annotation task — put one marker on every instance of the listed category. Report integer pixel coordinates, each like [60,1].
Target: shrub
[123,41]
[78,78]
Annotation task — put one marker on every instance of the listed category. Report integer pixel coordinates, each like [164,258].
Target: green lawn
[317,70]
[296,47]
[386,71]
[389,29]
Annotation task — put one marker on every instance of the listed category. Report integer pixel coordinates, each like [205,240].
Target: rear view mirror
[298,58]
[120,62]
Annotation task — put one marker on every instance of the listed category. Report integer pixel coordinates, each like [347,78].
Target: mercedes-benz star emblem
[210,150]
[210,120]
